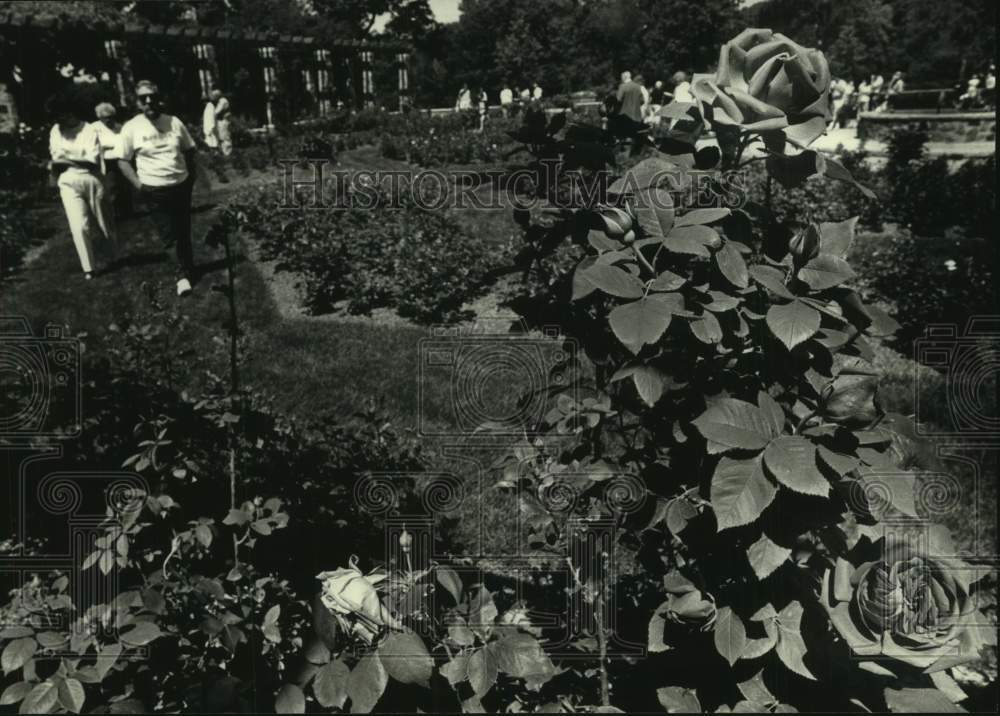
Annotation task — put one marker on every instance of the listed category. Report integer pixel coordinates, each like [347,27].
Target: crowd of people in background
[848,99]
[634,100]
[96,166]
[512,101]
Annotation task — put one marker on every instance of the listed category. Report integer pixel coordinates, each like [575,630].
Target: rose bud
[616,222]
[804,246]
[853,402]
[629,236]
[854,309]
[405,541]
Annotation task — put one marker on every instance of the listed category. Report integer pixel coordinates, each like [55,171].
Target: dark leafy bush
[396,255]
[14,236]
[926,280]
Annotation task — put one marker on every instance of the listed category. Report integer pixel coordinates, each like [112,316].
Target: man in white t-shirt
[164,173]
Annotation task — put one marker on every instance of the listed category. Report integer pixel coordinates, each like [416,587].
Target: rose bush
[769,84]
[889,597]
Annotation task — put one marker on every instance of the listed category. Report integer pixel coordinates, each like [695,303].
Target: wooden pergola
[268,76]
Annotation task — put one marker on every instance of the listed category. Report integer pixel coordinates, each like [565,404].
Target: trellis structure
[269,77]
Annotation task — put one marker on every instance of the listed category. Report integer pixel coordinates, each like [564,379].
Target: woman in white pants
[76,159]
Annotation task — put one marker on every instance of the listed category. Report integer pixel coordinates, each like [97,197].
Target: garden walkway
[848,139]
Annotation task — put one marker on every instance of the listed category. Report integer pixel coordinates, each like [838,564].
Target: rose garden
[650,423]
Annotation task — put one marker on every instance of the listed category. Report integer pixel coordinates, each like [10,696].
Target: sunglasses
[144,98]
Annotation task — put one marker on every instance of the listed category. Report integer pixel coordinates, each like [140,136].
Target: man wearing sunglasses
[164,173]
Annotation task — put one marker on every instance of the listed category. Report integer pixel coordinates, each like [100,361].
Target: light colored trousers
[89,213]
[225,137]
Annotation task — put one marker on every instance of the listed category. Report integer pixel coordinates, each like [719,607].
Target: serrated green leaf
[792,461]
[765,556]
[732,266]
[706,329]
[702,216]
[366,683]
[730,635]
[791,648]
[640,322]
[142,634]
[678,700]
[825,271]
[405,658]
[15,692]
[449,579]
[772,411]
[330,685]
[793,323]
[837,237]
[735,424]
[772,279]
[522,657]
[290,700]
[40,700]
[71,695]
[16,653]
[740,492]
[483,671]
[919,700]
[614,281]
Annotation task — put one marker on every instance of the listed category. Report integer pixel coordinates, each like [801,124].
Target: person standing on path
[222,116]
[116,190]
[464,100]
[209,127]
[506,100]
[164,174]
[630,98]
[75,150]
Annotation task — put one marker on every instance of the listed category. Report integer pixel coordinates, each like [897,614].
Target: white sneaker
[183,287]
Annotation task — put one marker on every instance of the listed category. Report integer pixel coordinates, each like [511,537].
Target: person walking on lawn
[164,173]
[78,167]
[222,116]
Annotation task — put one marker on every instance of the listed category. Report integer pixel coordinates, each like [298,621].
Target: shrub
[926,280]
[418,262]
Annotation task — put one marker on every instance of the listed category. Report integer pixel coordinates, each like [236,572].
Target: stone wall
[948,127]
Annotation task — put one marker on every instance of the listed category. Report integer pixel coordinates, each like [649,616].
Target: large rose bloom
[769,84]
[893,599]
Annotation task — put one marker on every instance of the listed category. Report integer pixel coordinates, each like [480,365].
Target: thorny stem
[602,637]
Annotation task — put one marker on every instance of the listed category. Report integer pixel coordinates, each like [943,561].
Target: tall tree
[864,45]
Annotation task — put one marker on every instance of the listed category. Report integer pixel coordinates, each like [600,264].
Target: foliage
[14,237]
[927,280]
[929,42]
[732,429]
[208,613]
[402,256]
